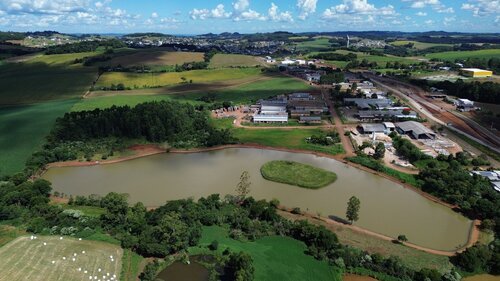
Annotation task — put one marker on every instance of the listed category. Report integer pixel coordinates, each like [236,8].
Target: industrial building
[415,130]
[475,72]
[370,128]
[464,104]
[367,104]
[381,115]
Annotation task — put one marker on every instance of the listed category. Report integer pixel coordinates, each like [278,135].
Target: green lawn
[23,130]
[45,78]
[286,138]
[298,174]
[131,265]
[462,55]
[9,233]
[274,257]
[144,80]
[90,211]
[233,60]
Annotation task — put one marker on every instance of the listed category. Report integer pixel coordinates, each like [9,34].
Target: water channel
[386,207]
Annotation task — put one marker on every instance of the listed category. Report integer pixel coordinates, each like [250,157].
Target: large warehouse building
[475,72]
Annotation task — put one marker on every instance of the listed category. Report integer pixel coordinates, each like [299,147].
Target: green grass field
[298,174]
[144,80]
[26,259]
[9,233]
[231,60]
[419,45]
[317,45]
[245,93]
[286,138]
[274,257]
[381,60]
[23,130]
[462,55]
[45,78]
[132,264]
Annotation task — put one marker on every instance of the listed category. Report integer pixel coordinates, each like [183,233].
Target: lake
[386,207]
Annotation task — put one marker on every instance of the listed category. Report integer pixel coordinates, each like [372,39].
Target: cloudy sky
[247,16]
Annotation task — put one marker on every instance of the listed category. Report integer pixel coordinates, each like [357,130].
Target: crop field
[155,57]
[23,130]
[43,78]
[269,258]
[419,45]
[144,80]
[49,258]
[379,59]
[286,138]
[462,55]
[318,45]
[230,60]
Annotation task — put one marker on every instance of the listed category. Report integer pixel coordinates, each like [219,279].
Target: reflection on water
[386,207]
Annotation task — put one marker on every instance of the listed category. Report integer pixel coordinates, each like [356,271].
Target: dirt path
[333,226]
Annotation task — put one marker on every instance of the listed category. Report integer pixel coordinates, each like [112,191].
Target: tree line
[84,46]
[487,92]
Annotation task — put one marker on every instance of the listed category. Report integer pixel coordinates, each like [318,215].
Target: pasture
[43,78]
[242,92]
[49,258]
[269,259]
[381,60]
[316,45]
[419,45]
[230,60]
[23,130]
[463,55]
[154,57]
[145,80]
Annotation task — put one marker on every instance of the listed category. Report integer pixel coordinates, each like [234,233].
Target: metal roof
[415,128]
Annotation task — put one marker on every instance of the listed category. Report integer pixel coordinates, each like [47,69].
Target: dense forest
[84,46]
[335,56]
[89,132]
[487,92]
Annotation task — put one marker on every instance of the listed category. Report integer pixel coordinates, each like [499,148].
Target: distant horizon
[248,33]
[249,16]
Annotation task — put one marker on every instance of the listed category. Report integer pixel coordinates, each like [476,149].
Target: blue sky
[248,16]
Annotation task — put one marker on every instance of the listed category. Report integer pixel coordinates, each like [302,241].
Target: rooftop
[474,69]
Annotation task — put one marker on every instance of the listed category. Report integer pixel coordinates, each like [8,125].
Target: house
[313,77]
[415,130]
[464,104]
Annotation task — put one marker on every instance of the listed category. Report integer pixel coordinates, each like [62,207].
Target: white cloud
[154,15]
[418,4]
[249,15]
[306,8]
[44,6]
[444,10]
[275,15]
[449,20]
[421,14]
[429,22]
[359,7]
[481,8]
[241,5]
[216,13]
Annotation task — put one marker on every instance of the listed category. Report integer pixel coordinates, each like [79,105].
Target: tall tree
[379,151]
[353,206]
[243,187]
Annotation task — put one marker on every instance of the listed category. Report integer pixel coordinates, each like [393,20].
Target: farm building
[310,119]
[271,113]
[475,72]
[307,107]
[415,130]
[367,104]
[385,127]
[300,96]
[391,114]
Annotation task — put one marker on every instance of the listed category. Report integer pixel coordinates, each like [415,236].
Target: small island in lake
[298,174]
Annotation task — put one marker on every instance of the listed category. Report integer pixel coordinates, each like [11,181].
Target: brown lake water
[386,207]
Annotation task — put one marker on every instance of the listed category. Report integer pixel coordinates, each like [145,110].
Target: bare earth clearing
[50,258]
